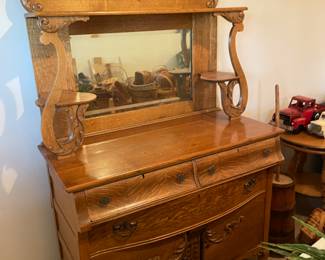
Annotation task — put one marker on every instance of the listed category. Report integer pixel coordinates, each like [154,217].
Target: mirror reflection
[133,70]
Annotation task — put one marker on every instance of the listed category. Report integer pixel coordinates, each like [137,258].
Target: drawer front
[169,249]
[176,216]
[237,233]
[127,195]
[238,161]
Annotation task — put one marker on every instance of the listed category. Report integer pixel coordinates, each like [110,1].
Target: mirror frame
[203,48]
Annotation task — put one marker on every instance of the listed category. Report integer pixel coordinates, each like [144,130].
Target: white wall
[283,43]
[27,230]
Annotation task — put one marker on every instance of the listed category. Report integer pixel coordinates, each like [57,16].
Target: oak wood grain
[204,58]
[305,140]
[229,231]
[238,161]
[167,249]
[176,216]
[142,186]
[217,76]
[68,235]
[132,194]
[118,7]
[131,23]
[197,136]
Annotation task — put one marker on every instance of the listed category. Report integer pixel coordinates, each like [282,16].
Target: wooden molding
[54,24]
[74,113]
[234,111]
[80,6]
[31,5]
[234,17]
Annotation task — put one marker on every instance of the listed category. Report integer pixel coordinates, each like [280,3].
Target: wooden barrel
[282,226]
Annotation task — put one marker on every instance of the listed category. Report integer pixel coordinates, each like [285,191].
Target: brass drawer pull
[267,152]
[125,229]
[104,201]
[180,178]
[212,169]
[250,185]
[213,238]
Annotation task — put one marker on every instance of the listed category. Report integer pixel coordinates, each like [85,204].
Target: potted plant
[295,251]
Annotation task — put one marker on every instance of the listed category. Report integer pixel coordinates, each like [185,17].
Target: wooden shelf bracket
[224,80]
[62,123]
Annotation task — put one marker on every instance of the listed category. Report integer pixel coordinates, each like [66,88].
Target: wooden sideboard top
[128,153]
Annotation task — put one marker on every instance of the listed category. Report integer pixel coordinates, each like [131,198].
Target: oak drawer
[111,200]
[173,248]
[177,216]
[238,161]
[240,231]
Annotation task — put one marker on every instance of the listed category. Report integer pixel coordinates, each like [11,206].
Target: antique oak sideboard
[178,180]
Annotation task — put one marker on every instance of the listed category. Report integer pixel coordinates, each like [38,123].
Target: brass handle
[212,169]
[211,237]
[180,178]
[250,185]
[125,229]
[267,152]
[104,201]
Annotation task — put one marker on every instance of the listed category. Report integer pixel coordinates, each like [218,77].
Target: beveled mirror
[133,70]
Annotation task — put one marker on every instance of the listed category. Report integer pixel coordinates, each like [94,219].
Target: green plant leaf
[293,251]
[277,250]
[309,250]
[309,227]
[297,258]
[298,248]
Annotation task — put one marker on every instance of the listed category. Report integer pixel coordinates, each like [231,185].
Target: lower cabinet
[173,248]
[239,230]
[171,214]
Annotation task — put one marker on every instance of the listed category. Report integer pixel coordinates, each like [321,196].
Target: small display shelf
[68,112]
[216,76]
[70,98]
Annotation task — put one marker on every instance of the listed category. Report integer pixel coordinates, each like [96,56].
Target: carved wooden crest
[32,5]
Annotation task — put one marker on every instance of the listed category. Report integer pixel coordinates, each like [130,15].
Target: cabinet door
[235,234]
[177,248]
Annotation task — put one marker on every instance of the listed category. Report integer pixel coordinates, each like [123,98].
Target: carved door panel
[177,248]
[238,232]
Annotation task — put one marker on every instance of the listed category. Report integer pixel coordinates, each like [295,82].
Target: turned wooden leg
[323,181]
[296,164]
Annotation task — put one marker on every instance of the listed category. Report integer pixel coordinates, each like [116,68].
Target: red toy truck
[301,111]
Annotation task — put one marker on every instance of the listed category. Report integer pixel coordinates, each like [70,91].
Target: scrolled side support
[50,28]
[234,110]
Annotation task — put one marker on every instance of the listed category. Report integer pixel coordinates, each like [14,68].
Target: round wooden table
[180,75]
[311,184]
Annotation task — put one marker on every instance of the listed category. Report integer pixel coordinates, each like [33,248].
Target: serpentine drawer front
[243,228]
[175,217]
[238,161]
[169,249]
[127,195]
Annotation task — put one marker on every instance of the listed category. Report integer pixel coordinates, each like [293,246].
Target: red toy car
[301,111]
